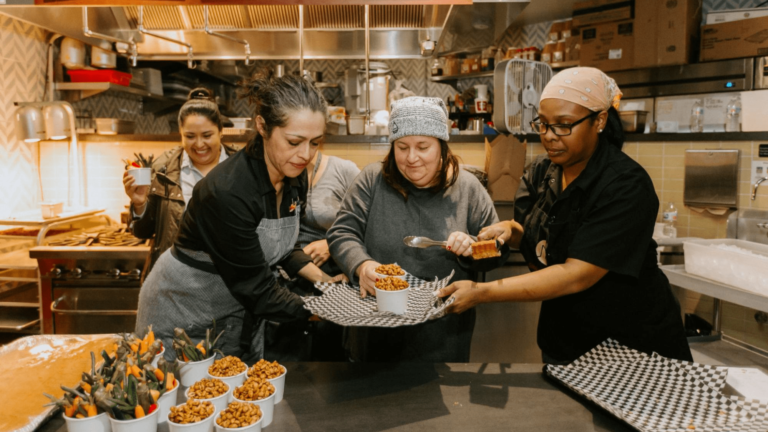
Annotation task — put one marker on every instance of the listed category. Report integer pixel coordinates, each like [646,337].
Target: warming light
[29,124]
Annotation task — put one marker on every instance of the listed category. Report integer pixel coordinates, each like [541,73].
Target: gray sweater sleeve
[345,238]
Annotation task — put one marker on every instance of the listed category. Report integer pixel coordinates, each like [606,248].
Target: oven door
[94,310]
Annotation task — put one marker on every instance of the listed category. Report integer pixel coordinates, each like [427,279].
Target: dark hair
[613,133]
[200,102]
[395,178]
[274,98]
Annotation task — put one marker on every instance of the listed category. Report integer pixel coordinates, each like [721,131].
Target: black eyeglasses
[558,129]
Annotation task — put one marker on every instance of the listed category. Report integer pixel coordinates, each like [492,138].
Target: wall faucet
[755,186]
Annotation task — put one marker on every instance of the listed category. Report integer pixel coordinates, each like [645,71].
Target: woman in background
[157,209]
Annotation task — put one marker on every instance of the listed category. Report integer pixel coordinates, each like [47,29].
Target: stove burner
[108,237]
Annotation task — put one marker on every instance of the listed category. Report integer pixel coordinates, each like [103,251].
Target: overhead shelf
[153,103]
[487,74]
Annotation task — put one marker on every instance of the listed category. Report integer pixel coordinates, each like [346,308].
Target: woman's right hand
[367,276]
[138,194]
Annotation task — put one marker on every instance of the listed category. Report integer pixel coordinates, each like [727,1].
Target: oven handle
[88,312]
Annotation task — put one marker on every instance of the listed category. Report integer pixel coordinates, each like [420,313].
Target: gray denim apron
[178,295]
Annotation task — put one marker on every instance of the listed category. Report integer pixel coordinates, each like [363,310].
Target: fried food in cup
[390,283]
[390,270]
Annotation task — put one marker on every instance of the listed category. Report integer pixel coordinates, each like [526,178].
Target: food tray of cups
[341,303]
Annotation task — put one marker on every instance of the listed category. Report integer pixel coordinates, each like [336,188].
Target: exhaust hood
[330,31]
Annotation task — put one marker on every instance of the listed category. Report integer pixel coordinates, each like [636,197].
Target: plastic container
[267,406]
[233,381]
[51,209]
[393,301]
[279,384]
[355,124]
[144,424]
[166,401]
[738,268]
[220,402]
[256,427]
[142,176]
[205,425]
[100,423]
[106,75]
[192,372]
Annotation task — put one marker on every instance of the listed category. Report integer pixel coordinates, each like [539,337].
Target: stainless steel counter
[416,397]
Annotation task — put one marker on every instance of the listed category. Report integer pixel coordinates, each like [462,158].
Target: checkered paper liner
[654,393]
[341,304]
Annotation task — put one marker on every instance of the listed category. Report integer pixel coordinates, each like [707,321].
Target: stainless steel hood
[477,26]
[330,31]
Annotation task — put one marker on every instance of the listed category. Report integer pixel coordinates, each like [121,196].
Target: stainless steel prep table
[439,397]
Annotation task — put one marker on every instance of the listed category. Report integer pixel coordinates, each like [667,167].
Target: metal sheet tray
[29,342]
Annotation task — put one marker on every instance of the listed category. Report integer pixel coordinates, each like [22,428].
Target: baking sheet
[341,304]
[653,393]
[42,348]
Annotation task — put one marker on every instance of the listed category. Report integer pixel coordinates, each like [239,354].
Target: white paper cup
[267,407]
[157,357]
[279,384]
[256,427]
[220,403]
[141,176]
[392,301]
[233,381]
[144,424]
[166,401]
[202,426]
[192,372]
[100,423]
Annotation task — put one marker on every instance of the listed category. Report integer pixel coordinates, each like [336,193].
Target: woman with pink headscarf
[584,218]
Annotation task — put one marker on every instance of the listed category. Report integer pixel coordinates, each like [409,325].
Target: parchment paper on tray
[654,393]
[341,304]
[35,364]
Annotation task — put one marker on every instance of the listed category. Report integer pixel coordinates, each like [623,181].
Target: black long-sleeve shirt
[221,220]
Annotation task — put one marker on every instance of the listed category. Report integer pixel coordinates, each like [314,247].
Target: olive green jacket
[165,205]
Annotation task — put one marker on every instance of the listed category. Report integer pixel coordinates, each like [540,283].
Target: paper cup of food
[258,392]
[147,423]
[392,295]
[229,369]
[274,373]
[211,390]
[165,402]
[157,357]
[192,372]
[141,176]
[387,270]
[99,423]
[186,417]
[240,417]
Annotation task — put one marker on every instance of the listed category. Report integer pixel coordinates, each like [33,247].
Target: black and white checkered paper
[654,394]
[341,304]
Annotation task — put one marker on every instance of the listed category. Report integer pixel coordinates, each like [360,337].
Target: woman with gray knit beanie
[418,189]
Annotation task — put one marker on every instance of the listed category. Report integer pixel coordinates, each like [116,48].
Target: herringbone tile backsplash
[22,78]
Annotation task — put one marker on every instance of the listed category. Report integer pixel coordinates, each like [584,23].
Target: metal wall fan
[518,85]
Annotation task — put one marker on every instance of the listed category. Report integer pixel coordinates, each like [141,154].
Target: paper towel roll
[715,211]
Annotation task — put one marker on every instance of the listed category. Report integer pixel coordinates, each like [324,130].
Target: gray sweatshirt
[374,218]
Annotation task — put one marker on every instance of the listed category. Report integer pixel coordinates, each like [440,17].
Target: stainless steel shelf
[92,89]
[18,319]
[487,74]
[679,277]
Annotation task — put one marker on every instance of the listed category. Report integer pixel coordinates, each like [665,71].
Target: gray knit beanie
[417,115]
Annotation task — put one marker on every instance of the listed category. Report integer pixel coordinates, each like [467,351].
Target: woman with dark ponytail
[157,209]
[584,219]
[239,232]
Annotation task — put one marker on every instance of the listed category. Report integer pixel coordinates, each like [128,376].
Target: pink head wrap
[585,86]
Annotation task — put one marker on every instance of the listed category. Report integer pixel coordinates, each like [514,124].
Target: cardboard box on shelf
[608,47]
[667,32]
[591,12]
[735,39]
[504,163]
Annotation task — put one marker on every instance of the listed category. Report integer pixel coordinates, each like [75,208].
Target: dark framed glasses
[558,129]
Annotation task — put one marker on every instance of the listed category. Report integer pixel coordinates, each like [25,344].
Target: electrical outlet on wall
[759,170]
